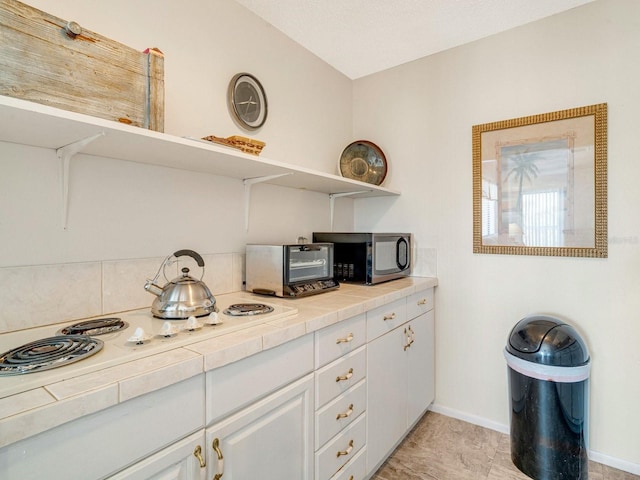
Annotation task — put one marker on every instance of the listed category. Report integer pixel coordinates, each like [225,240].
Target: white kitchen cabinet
[239,384]
[340,339]
[271,439]
[387,389]
[332,457]
[340,399]
[421,367]
[100,444]
[183,460]
[355,469]
[400,378]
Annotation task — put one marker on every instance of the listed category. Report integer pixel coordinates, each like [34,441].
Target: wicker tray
[247,145]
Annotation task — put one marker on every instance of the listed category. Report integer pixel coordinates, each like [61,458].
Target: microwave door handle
[400,241]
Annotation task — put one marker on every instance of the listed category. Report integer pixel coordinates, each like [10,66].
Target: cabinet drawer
[356,469]
[419,303]
[233,386]
[385,318]
[341,449]
[339,339]
[339,376]
[341,412]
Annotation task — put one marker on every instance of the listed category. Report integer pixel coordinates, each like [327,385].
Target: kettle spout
[153,288]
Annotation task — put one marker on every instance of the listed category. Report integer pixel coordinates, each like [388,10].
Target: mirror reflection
[540,184]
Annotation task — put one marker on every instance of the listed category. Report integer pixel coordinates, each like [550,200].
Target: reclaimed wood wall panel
[51,61]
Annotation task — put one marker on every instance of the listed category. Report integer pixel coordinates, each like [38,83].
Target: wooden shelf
[29,123]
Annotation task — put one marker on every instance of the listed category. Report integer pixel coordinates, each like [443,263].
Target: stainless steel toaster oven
[294,270]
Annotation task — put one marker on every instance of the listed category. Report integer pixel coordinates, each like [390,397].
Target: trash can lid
[548,341]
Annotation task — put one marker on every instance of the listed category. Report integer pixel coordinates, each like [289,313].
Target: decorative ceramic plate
[363,161]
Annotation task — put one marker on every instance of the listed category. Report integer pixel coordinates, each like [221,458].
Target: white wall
[126,210]
[421,115]
[124,217]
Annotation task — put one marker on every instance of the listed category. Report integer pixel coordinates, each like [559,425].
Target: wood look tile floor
[444,448]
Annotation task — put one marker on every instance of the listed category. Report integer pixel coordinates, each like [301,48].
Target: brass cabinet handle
[412,336]
[351,477]
[216,448]
[422,301]
[389,317]
[345,340]
[345,377]
[408,344]
[198,454]
[345,414]
[347,451]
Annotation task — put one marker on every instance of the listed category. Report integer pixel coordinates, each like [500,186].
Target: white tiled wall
[40,295]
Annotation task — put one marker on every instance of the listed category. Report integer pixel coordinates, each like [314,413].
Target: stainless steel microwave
[369,258]
[294,270]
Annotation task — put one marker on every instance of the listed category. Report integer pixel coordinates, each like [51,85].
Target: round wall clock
[247,101]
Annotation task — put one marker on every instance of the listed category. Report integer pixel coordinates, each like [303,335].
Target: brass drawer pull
[216,448]
[347,451]
[198,454]
[346,414]
[389,317]
[345,340]
[422,302]
[345,377]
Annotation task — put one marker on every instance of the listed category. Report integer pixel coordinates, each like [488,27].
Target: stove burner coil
[98,326]
[245,309]
[48,353]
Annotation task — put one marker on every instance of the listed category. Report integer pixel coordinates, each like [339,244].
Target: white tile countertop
[35,410]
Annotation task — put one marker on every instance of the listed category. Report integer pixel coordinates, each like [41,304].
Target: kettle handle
[196,256]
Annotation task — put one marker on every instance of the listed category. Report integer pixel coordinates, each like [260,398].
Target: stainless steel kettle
[184,296]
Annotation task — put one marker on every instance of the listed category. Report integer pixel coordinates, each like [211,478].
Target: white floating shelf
[29,123]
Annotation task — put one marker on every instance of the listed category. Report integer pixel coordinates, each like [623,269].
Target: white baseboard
[483,422]
[499,427]
[614,462]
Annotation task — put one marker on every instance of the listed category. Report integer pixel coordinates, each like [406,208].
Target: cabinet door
[421,366]
[386,394]
[271,439]
[178,462]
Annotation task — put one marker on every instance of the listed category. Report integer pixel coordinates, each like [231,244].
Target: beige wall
[421,115]
[122,210]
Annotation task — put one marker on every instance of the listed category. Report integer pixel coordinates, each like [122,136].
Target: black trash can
[548,365]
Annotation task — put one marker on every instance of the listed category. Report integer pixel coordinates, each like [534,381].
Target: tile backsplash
[34,296]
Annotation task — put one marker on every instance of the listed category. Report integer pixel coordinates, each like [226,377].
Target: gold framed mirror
[540,184]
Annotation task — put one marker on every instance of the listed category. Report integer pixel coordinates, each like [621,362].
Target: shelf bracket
[65,154]
[332,201]
[248,183]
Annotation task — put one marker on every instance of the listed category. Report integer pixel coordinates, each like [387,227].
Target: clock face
[247,101]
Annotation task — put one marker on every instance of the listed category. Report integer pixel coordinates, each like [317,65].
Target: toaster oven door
[308,262]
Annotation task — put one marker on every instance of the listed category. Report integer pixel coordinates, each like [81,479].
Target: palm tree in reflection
[524,167]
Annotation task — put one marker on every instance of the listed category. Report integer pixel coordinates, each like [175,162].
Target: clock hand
[250,102]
